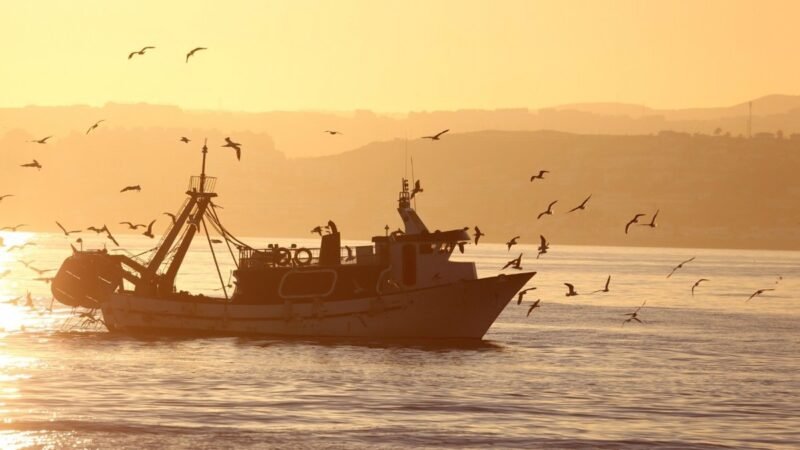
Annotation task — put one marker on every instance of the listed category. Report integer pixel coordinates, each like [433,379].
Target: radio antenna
[413,182]
[406,158]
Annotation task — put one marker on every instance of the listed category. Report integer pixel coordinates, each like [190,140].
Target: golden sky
[396,56]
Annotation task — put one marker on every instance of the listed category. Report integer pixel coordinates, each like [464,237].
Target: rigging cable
[216,264]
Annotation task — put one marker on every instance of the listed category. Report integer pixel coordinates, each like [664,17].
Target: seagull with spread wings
[680,266]
[14,228]
[571,292]
[478,234]
[41,141]
[96,124]
[67,233]
[540,176]
[34,164]
[757,293]
[634,315]
[543,246]
[436,136]
[514,263]
[140,52]
[652,223]
[234,145]
[193,51]
[512,242]
[697,283]
[522,294]
[133,226]
[533,306]
[549,211]
[605,289]
[149,232]
[633,221]
[581,206]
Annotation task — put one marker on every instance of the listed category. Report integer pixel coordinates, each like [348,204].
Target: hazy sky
[398,55]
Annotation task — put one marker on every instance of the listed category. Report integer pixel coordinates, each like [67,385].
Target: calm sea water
[704,372]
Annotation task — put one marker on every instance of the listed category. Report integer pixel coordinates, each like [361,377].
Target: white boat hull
[461,310]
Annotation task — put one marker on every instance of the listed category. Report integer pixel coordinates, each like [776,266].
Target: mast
[203,168]
[189,219]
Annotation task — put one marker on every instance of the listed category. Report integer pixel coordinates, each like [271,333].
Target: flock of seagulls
[544,246]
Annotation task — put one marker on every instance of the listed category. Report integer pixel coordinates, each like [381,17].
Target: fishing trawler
[404,285]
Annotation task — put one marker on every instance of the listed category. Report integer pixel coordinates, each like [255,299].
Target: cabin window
[409,265]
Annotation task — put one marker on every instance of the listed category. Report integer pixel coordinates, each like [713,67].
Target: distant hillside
[764,106]
[711,191]
[302,134]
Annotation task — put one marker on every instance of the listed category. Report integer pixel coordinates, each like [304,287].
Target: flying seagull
[35,164]
[571,292]
[193,51]
[633,221]
[652,223]
[42,140]
[478,234]
[149,232]
[543,246]
[171,216]
[234,145]
[581,206]
[634,315]
[605,289]
[185,140]
[540,175]
[697,283]
[680,266]
[133,226]
[436,136]
[40,271]
[522,294]
[333,132]
[136,188]
[534,305]
[514,263]
[317,229]
[66,233]
[512,242]
[14,228]
[757,293]
[140,52]
[549,211]
[96,124]
[4,196]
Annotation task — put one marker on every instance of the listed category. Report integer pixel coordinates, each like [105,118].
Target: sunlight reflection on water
[709,369]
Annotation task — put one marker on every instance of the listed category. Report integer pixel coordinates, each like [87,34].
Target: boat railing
[202,184]
[277,256]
